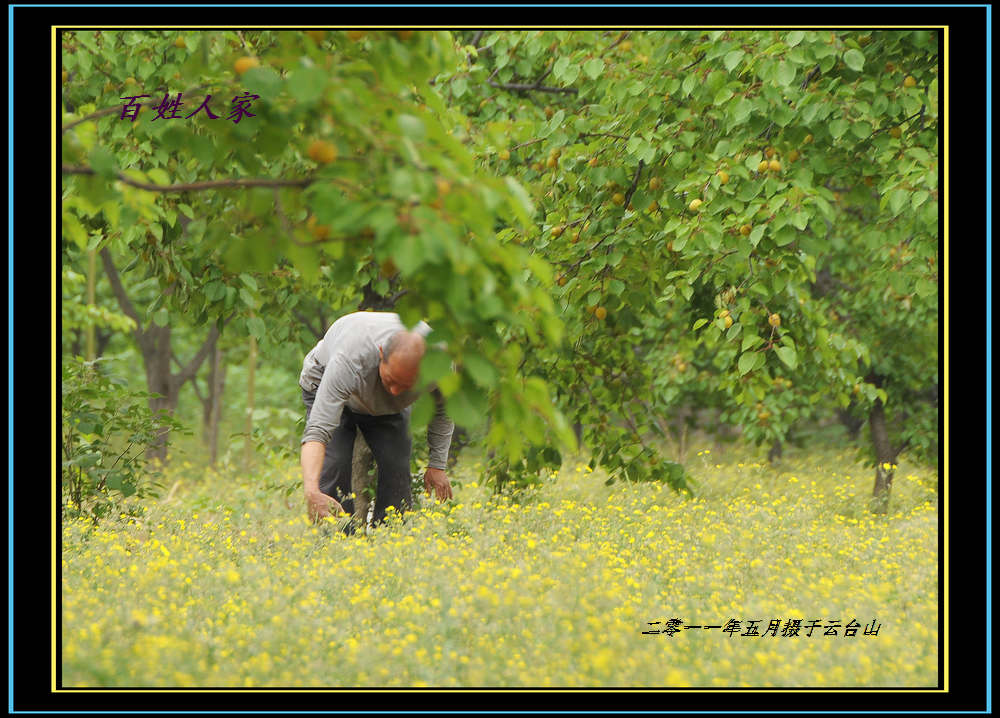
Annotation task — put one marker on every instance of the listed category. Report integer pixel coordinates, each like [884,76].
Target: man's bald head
[400,361]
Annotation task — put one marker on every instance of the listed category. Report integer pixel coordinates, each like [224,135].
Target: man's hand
[320,506]
[437,480]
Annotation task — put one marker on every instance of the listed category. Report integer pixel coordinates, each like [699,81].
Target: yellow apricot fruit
[910,81]
[244,64]
[318,231]
[322,152]
[504,155]
[388,268]
[618,198]
[695,204]
[745,230]
[600,312]
[762,167]
[723,177]
[774,166]
[179,43]
[774,320]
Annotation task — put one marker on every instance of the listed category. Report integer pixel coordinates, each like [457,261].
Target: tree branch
[523,87]
[120,294]
[208,345]
[635,183]
[809,76]
[194,186]
[688,67]
[306,322]
[616,43]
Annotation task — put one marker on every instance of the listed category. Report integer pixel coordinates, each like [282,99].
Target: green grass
[225,584]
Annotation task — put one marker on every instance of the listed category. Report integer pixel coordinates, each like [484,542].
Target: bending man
[361,375]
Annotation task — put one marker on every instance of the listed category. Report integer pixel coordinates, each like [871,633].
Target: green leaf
[838,128]
[559,68]
[788,356]
[306,85]
[412,127]
[594,68]
[699,324]
[481,371]
[794,38]
[897,198]
[925,288]
[786,73]
[435,365]
[102,160]
[732,59]
[249,281]
[741,112]
[422,411]
[467,408]
[746,362]
[159,176]
[861,130]
[256,327]
[854,59]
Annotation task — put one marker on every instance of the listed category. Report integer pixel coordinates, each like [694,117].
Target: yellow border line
[55,432]
[55,110]
[501,27]
[947,502]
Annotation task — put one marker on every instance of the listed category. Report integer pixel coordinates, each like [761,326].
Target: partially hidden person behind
[362,376]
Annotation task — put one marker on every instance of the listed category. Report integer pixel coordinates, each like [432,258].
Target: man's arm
[335,387]
[318,504]
[439,432]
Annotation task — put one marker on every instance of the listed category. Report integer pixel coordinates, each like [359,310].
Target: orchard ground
[222,582]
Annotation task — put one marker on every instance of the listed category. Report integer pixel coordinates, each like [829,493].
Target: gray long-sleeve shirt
[343,370]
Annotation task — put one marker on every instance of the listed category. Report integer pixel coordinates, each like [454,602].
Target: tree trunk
[884,455]
[248,446]
[212,407]
[362,482]
[91,301]
[156,356]
[154,344]
[775,453]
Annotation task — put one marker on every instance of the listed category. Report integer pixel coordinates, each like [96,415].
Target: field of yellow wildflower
[573,583]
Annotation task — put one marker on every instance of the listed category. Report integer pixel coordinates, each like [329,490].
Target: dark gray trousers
[388,437]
